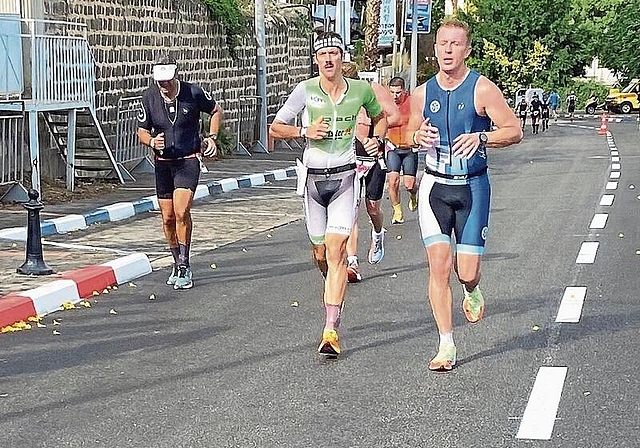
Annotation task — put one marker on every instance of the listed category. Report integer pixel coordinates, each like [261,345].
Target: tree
[543,42]
[371,32]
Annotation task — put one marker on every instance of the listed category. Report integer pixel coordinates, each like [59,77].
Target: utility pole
[413,81]
[261,72]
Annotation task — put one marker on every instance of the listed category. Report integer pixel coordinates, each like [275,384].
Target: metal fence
[11,149]
[128,148]
[248,125]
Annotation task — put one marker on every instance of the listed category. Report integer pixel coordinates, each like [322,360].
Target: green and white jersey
[308,98]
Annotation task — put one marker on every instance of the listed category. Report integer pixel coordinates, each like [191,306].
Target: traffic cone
[604,124]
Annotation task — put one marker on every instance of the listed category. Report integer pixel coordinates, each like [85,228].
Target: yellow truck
[625,100]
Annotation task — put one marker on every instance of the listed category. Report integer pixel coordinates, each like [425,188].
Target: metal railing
[248,125]
[64,69]
[128,147]
[11,149]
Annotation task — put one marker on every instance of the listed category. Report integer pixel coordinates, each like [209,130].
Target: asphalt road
[232,363]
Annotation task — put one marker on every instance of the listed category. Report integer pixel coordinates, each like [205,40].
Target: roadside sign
[387,28]
[423,13]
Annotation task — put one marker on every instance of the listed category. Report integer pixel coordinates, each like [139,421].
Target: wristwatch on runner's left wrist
[483,139]
[303,131]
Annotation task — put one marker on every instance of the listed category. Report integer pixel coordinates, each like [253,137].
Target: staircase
[93,156]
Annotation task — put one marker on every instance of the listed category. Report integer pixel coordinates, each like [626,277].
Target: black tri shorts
[174,174]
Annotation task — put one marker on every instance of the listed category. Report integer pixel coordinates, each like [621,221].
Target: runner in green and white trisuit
[327,177]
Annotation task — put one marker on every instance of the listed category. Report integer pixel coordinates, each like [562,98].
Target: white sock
[375,234]
[446,339]
[352,259]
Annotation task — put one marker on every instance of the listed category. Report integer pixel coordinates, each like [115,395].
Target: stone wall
[126,35]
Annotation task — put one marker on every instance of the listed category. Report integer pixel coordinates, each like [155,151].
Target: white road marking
[615,166]
[213,213]
[615,159]
[570,308]
[84,247]
[542,407]
[607,199]
[615,175]
[587,254]
[599,221]
[611,186]
[615,153]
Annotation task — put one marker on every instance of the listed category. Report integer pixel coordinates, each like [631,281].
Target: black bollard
[34,264]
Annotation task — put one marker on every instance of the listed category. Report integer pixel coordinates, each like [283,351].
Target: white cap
[164,72]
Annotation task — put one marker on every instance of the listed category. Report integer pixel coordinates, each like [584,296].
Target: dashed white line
[615,153]
[607,199]
[599,221]
[540,414]
[570,308]
[615,159]
[611,186]
[615,166]
[614,175]
[588,251]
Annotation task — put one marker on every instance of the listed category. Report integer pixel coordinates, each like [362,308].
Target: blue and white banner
[387,29]
[423,14]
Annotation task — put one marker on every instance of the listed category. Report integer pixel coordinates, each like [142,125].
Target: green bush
[229,14]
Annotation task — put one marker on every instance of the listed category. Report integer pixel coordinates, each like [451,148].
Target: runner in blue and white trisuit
[327,176]
[451,117]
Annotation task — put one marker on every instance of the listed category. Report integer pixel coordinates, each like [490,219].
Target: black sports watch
[483,139]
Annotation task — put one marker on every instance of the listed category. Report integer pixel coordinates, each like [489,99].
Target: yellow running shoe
[413,202]
[445,359]
[473,305]
[397,215]
[329,346]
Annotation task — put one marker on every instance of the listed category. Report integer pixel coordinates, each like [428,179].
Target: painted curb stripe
[570,308]
[215,188]
[69,223]
[599,221]
[49,297]
[130,267]
[91,278]
[540,414]
[120,211]
[229,184]
[14,308]
[269,177]
[47,228]
[96,216]
[587,254]
[280,174]
[607,199]
[142,206]
[201,192]
[14,234]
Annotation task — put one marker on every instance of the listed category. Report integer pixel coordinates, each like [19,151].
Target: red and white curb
[73,286]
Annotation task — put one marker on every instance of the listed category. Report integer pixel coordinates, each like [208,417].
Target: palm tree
[371,31]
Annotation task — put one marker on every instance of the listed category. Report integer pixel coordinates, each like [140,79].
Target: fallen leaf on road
[95,293]
[152,297]
[68,306]
[399,237]
[294,303]
[213,266]
[586,393]
[105,291]
[269,235]
[55,332]
[132,285]
[621,235]
[34,318]
[41,325]
[85,304]
[394,276]
[56,322]
[114,287]
[244,249]
[535,328]
[631,187]
[112,311]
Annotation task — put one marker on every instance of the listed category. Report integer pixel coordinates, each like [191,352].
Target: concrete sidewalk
[83,272]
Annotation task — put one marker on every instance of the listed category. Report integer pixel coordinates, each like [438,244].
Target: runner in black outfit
[545,113]
[536,108]
[521,111]
[169,123]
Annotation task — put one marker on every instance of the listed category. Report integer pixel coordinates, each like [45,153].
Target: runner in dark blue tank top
[450,120]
